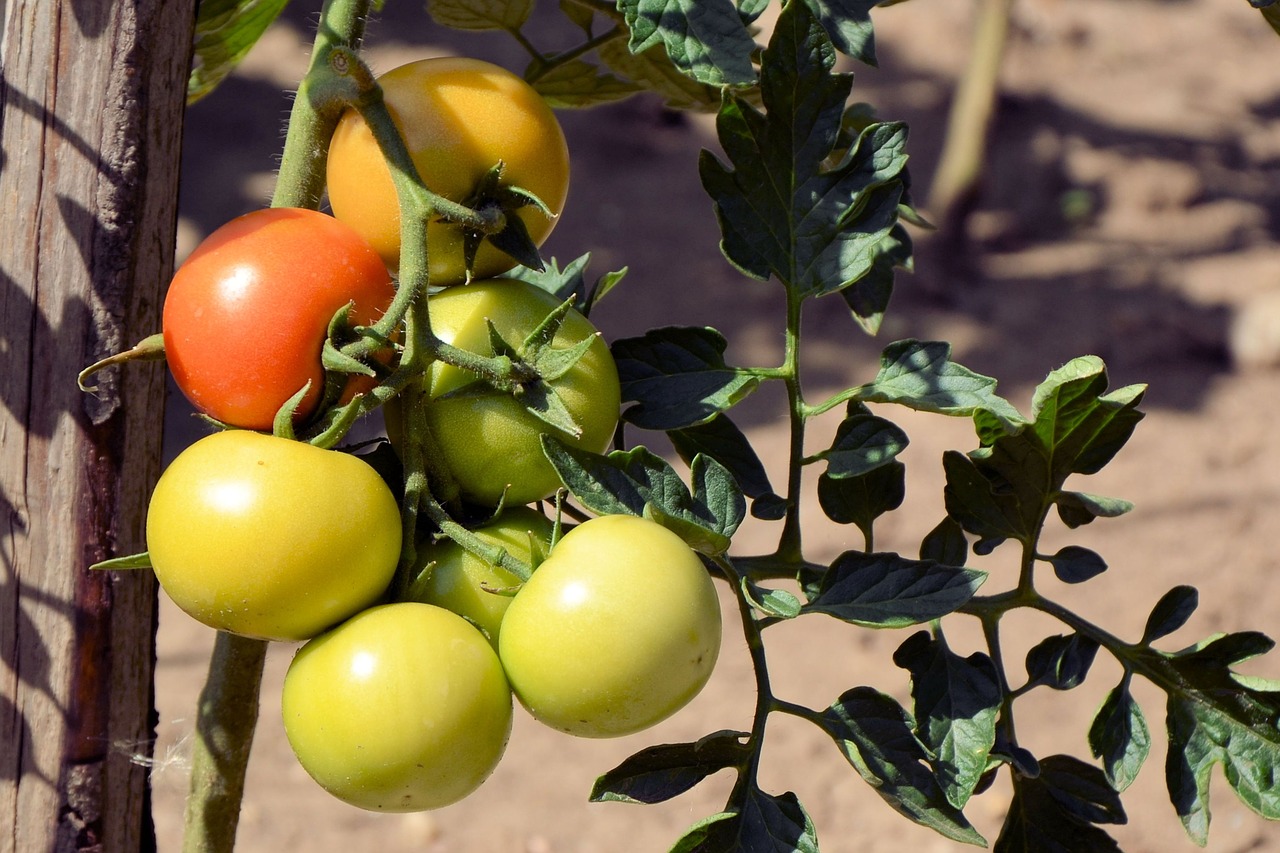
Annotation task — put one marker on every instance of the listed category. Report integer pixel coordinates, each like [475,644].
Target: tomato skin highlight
[404,707]
[459,580]
[270,538]
[246,315]
[490,441]
[459,117]
[615,631]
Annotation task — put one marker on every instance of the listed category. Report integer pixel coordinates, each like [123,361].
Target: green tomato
[618,629]
[271,538]
[488,439]
[449,576]
[404,707]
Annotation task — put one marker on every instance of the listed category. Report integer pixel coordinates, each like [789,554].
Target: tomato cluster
[415,642]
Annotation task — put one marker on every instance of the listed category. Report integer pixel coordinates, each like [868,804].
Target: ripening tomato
[488,439]
[459,117]
[615,631]
[246,315]
[447,575]
[271,538]
[403,707]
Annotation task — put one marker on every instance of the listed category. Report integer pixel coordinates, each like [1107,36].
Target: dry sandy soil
[1132,211]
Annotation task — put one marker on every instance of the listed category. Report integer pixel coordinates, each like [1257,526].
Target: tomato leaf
[877,737]
[1059,809]
[509,15]
[890,591]
[659,773]
[868,297]
[997,491]
[1119,737]
[862,443]
[706,39]
[862,499]
[777,603]
[721,440]
[225,31]
[1061,661]
[781,211]
[1074,564]
[570,282]
[576,84]
[1079,508]
[760,823]
[639,482]
[1170,613]
[956,702]
[654,71]
[945,544]
[921,375]
[677,377]
[848,24]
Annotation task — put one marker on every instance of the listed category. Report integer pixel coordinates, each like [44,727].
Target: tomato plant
[247,314]
[449,576]
[460,118]
[617,630]
[502,393]
[265,537]
[489,438]
[404,707]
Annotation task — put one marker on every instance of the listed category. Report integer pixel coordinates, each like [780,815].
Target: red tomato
[246,315]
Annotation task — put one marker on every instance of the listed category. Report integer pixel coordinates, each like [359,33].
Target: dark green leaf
[848,23]
[868,297]
[638,482]
[721,440]
[1074,564]
[1061,661]
[781,211]
[706,39]
[876,736]
[1058,810]
[507,15]
[677,377]
[1170,613]
[771,602]
[956,703]
[570,282]
[697,536]
[225,31]
[861,500]
[1000,492]
[576,84]
[862,443]
[1271,13]
[763,823]
[1119,737]
[889,591]
[946,544]
[659,773]
[922,376]
[1078,508]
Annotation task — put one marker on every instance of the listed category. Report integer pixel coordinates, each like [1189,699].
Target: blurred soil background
[1132,211]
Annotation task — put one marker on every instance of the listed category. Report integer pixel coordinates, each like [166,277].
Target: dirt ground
[1132,211]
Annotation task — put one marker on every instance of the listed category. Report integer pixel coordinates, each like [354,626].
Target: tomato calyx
[150,348]
[494,204]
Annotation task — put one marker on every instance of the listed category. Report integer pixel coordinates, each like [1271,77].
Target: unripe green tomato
[488,439]
[271,538]
[403,707]
[618,629]
[449,576]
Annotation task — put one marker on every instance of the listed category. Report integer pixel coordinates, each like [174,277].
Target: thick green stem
[226,718]
[228,710]
[789,543]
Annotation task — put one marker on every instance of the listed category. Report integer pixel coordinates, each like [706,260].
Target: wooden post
[92,96]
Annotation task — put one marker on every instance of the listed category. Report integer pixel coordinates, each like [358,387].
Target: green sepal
[131,561]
